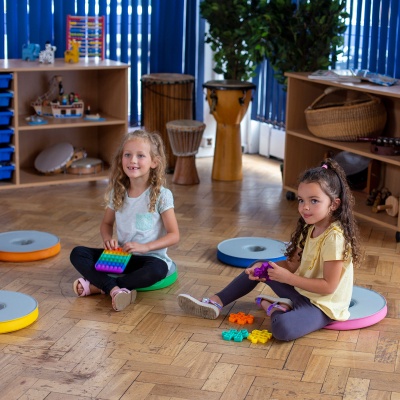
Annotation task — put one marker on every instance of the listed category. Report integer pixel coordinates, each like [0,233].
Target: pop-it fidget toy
[113,261]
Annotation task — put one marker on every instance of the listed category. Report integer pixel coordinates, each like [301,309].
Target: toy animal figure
[72,55]
[47,55]
[30,52]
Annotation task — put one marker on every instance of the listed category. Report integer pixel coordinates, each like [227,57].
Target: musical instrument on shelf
[85,166]
[57,158]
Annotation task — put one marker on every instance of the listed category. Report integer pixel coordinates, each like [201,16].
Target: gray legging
[290,325]
[141,271]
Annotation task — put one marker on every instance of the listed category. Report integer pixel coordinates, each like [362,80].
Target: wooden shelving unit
[101,84]
[304,150]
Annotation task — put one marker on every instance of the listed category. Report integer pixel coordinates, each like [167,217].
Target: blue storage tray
[6,152]
[5,117]
[5,99]
[5,135]
[5,80]
[6,171]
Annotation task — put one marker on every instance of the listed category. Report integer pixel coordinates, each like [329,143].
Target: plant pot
[228,101]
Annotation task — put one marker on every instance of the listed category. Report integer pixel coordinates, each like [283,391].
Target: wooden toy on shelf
[391,206]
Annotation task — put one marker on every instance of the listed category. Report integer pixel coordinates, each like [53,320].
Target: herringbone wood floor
[79,348]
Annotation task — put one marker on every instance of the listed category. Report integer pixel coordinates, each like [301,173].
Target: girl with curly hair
[142,210]
[314,284]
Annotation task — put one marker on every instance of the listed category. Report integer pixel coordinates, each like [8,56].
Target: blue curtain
[167,28]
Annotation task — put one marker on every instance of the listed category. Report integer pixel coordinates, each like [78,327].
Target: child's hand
[134,247]
[110,244]
[277,273]
[250,272]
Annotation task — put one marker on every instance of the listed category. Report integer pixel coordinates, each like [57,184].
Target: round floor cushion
[367,307]
[20,246]
[242,251]
[171,277]
[17,311]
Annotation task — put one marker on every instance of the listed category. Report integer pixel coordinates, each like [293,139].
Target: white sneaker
[205,308]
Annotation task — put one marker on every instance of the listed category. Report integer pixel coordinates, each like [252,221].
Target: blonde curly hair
[119,183]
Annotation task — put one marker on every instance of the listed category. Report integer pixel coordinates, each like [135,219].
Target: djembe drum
[185,137]
[166,97]
[228,101]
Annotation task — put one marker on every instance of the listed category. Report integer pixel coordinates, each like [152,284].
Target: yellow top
[328,246]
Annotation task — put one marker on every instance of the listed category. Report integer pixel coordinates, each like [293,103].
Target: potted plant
[235,36]
[236,31]
[304,37]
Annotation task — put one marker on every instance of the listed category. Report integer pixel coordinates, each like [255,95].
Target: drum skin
[86,166]
[57,158]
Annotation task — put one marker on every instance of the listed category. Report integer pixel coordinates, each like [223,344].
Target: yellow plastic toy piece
[241,318]
[258,336]
[72,55]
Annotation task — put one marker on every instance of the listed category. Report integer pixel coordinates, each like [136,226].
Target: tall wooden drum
[185,138]
[166,97]
[228,101]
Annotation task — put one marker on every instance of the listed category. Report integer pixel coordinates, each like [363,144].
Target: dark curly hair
[332,180]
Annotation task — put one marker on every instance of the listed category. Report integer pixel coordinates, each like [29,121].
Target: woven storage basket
[346,115]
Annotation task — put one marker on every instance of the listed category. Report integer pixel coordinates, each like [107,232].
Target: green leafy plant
[236,31]
[303,38]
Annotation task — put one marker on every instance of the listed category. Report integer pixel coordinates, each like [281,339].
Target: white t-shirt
[328,247]
[134,222]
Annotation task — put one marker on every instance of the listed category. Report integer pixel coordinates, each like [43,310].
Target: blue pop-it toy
[113,261]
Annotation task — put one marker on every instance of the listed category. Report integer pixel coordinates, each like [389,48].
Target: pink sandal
[85,286]
[121,298]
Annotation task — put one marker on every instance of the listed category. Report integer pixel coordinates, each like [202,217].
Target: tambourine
[85,166]
[57,158]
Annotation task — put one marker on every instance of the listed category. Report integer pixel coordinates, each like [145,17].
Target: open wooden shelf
[303,150]
[101,84]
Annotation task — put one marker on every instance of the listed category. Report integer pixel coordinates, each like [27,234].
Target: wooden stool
[185,137]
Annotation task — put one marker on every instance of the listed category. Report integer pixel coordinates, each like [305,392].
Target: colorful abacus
[113,261]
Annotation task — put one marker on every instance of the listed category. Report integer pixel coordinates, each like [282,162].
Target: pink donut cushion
[367,308]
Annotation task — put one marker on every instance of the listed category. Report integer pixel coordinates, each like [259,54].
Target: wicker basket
[346,115]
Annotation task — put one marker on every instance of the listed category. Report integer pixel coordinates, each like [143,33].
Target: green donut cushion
[167,281]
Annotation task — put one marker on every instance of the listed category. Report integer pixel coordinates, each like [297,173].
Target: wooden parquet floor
[80,349]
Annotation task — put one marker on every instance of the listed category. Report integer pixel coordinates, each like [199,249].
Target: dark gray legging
[140,272]
[290,325]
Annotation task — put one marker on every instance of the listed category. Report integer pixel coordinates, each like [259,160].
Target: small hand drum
[185,138]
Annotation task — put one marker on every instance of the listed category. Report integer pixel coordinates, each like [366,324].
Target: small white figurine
[47,55]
